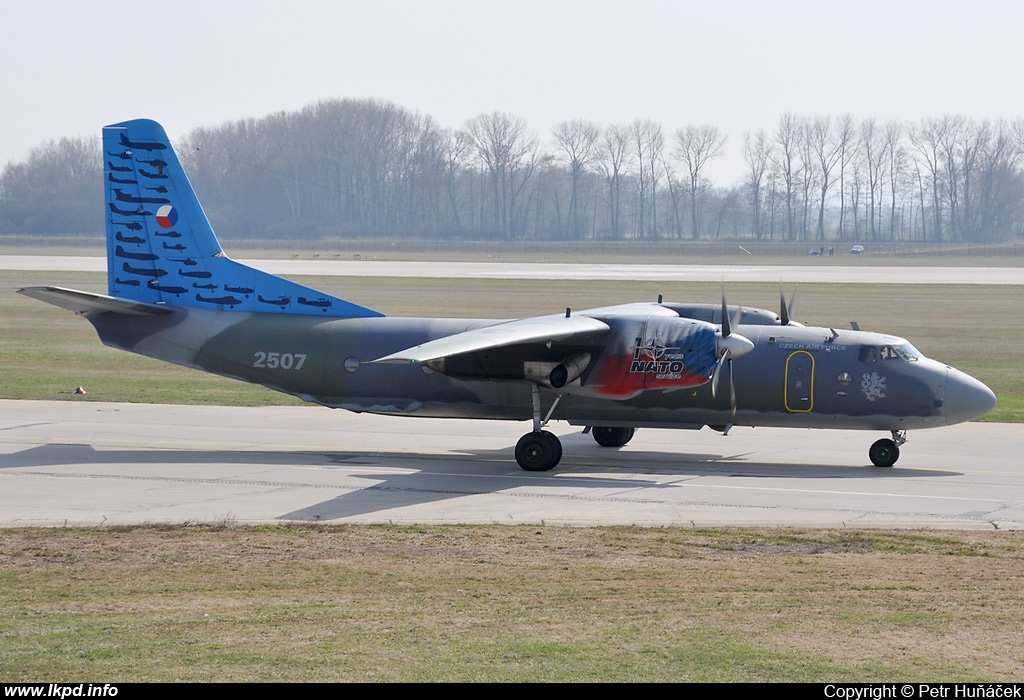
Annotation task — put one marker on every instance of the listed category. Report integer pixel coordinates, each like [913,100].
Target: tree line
[370,168]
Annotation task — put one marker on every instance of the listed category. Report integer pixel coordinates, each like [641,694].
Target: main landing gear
[885,452]
[539,451]
[612,437]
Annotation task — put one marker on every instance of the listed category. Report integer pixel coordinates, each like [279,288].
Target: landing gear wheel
[884,453]
[539,451]
[612,437]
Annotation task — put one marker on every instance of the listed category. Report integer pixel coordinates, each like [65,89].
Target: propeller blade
[726,328]
[783,307]
[726,359]
[734,320]
[727,346]
[717,372]
[732,390]
[786,310]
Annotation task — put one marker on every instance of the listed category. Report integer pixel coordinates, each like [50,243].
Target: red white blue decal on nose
[167,216]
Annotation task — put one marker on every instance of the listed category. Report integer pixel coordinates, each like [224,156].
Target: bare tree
[787,138]
[68,172]
[896,156]
[809,179]
[695,146]
[828,148]
[577,140]
[455,148]
[614,159]
[873,145]
[507,150]
[757,152]
[846,134]
[927,138]
[648,142]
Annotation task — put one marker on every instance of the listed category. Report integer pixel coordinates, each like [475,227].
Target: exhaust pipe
[569,370]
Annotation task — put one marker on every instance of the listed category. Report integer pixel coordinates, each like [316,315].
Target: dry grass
[509,604]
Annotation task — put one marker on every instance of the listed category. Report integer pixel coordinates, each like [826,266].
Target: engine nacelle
[569,370]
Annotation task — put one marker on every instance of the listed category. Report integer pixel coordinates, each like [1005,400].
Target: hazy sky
[69,67]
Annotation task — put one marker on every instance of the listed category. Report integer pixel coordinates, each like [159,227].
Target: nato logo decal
[167,216]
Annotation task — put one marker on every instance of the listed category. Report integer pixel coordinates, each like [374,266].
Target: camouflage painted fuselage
[795,376]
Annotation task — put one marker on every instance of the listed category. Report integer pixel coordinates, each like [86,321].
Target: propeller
[729,345]
[786,310]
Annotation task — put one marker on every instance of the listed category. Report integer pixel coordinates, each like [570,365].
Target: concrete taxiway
[84,463]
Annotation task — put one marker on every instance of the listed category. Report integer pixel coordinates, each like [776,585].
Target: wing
[540,329]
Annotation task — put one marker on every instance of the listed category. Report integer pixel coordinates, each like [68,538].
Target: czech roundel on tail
[175,296]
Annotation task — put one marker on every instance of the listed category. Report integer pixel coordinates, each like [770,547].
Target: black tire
[612,437]
[884,453]
[538,452]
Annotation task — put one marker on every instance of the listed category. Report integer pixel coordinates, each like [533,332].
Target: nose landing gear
[885,452]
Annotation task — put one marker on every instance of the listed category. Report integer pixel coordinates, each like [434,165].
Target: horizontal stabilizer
[528,330]
[87,302]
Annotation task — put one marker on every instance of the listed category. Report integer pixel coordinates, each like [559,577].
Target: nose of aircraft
[966,397]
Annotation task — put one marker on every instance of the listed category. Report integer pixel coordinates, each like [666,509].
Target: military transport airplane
[610,370]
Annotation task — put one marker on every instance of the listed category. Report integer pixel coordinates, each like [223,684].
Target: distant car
[857,250]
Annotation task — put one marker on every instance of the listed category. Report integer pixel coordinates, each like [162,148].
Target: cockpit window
[908,352]
[869,353]
[881,353]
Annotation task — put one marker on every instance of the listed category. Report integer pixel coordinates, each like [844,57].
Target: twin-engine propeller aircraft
[175,296]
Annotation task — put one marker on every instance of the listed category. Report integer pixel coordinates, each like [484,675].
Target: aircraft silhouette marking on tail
[129,212]
[122,253]
[222,301]
[167,289]
[280,301]
[141,145]
[122,196]
[139,154]
[144,271]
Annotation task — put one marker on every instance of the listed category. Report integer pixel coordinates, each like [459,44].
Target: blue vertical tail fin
[161,248]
